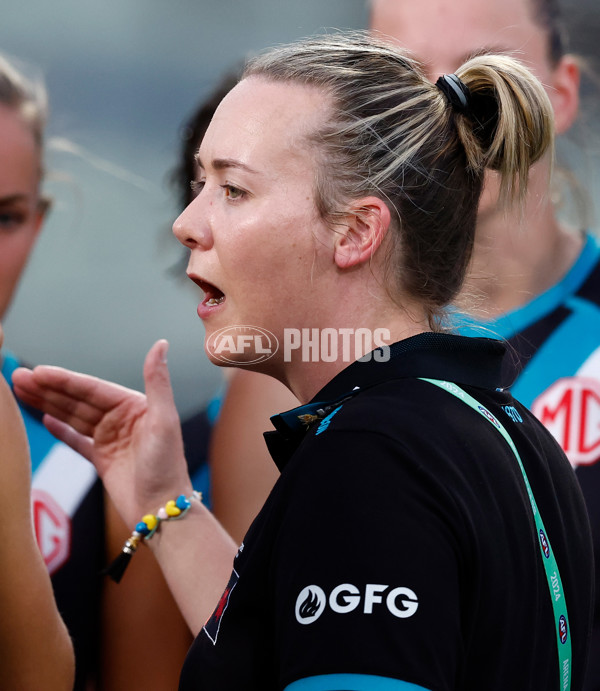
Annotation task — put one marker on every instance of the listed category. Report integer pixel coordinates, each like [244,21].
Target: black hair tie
[456,91]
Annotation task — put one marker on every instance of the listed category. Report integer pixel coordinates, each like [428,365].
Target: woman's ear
[564,92]
[365,226]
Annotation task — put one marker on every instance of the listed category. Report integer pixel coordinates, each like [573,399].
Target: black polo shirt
[398,549]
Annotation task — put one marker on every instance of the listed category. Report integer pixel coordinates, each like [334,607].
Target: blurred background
[123,75]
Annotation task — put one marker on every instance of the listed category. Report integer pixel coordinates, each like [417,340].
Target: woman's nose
[192,228]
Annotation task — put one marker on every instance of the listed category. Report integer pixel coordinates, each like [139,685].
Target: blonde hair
[392,133]
[25,95]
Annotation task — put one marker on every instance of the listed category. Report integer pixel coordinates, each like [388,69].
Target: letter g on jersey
[312,600]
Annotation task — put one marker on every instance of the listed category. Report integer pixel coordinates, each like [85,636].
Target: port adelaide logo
[312,601]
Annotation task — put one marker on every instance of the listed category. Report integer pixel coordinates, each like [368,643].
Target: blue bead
[142,528]
[182,503]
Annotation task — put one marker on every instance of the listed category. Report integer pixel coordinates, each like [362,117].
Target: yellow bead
[150,520]
[171,509]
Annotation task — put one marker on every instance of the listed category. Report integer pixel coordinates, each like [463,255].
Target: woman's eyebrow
[222,163]
[12,198]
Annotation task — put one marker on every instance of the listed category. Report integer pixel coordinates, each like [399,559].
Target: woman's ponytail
[509,122]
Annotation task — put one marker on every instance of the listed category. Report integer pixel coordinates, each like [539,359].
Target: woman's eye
[11,220]
[232,192]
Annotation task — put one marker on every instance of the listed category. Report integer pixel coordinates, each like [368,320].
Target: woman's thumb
[156,376]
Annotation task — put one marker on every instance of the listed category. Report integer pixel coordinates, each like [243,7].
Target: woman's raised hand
[134,440]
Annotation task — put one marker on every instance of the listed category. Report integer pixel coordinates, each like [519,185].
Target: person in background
[35,648]
[76,528]
[339,189]
[535,279]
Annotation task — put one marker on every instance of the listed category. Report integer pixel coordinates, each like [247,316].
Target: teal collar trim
[516,321]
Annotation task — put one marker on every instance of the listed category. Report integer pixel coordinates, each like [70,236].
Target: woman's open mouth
[213,297]
[218,300]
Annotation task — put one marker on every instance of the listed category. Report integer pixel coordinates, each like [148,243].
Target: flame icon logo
[310,604]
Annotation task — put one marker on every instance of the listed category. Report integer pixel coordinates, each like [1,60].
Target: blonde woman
[425,528]
[75,525]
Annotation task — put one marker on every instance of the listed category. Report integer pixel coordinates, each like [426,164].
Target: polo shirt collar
[459,359]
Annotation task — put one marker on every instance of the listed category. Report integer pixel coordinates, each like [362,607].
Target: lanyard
[557,595]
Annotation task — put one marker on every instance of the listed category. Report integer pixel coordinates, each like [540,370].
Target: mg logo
[570,409]
[52,530]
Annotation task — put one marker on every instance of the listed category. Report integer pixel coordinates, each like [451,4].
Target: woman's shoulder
[398,423]
[13,446]
[390,407]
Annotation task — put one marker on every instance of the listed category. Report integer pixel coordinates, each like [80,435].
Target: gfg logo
[242,345]
[311,602]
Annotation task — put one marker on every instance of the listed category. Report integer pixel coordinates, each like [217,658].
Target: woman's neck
[517,256]
[380,323]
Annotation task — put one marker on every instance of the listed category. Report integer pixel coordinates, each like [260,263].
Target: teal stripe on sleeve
[352,682]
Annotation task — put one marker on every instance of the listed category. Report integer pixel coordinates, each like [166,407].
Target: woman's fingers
[79,400]
[65,407]
[81,443]
[79,387]
[78,414]
[104,420]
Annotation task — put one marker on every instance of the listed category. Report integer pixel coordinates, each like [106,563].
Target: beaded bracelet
[173,510]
